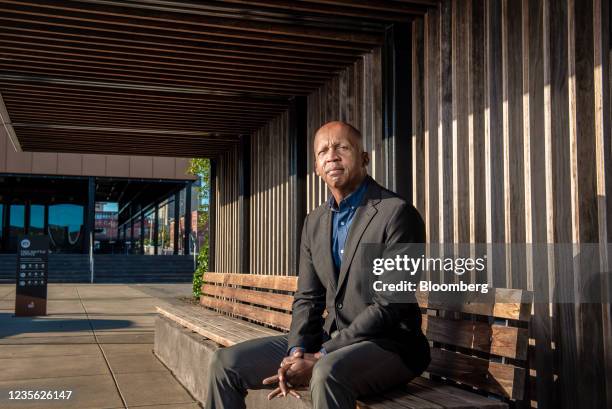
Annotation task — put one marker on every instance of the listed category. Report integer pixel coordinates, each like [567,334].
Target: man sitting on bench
[364,346]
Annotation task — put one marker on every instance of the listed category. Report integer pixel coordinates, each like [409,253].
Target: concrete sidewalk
[96,341]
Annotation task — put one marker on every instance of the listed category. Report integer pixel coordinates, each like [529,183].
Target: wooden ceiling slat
[168,145]
[194,25]
[67,141]
[373,7]
[147,123]
[93,113]
[127,105]
[55,26]
[145,148]
[69,66]
[392,11]
[122,66]
[38,78]
[46,112]
[54,107]
[129,149]
[197,100]
[136,151]
[63,140]
[89,37]
[197,55]
[60,138]
[111,89]
[171,131]
[131,80]
[70,120]
[91,54]
[101,135]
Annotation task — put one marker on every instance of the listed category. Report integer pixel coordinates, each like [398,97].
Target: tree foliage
[200,167]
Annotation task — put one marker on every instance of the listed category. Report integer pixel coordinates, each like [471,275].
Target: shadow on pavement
[11,325]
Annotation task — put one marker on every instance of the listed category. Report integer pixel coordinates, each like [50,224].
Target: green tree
[200,167]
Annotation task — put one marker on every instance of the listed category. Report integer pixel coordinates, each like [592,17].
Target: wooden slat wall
[355,96]
[272,194]
[512,111]
[227,257]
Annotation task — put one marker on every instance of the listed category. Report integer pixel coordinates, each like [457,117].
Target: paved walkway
[96,341]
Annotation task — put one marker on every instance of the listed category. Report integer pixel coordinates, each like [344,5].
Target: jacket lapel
[362,219]
[327,259]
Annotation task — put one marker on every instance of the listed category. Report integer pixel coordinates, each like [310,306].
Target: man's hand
[295,370]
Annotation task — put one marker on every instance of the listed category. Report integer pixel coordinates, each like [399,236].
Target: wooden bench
[479,345]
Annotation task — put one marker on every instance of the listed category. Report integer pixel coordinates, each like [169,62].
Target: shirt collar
[353,200]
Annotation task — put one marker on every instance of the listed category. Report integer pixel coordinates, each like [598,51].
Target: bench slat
[424,393]
[282,283]
[498,302]
[221,329]
[274,318]
[451,393]
[509,342]
[267,299]
[404,400]
[501,379]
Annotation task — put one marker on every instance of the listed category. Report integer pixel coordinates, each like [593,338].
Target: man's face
[339,157]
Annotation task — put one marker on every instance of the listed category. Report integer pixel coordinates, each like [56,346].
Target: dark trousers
[338,378]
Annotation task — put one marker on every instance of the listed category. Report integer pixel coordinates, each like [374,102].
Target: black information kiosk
[32,273]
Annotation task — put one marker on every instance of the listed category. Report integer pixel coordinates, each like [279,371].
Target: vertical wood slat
[418,117]
[356,94]
[271,204]
[589,336]
[602,61]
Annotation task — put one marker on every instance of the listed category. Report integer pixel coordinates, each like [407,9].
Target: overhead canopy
[174,78]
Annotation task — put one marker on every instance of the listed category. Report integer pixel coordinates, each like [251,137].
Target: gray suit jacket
[383,217]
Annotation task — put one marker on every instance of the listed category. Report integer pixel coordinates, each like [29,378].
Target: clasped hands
[295,370]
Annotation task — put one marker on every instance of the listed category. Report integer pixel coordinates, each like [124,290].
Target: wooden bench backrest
[481,341]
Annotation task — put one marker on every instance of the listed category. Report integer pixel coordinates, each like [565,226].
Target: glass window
[16,224]
[66,228]
[136,239]
[37,219]
[149,224]
[1,222]
[129,245]
[165,227]
[198,207]
[181,223]
[106,226]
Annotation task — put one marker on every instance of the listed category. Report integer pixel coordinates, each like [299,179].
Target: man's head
[339,157]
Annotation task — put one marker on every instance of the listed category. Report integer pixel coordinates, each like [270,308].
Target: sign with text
[32,274]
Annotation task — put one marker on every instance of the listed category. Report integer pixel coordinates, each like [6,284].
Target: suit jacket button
[339,306]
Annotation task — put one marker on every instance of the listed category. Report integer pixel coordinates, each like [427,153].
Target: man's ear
[366,158]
